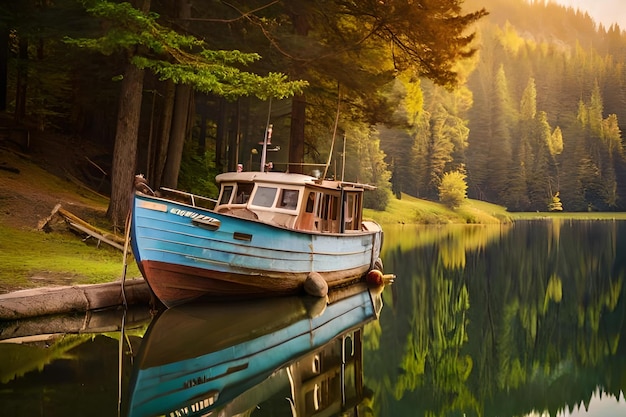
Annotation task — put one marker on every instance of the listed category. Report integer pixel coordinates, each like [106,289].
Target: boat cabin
[294,201]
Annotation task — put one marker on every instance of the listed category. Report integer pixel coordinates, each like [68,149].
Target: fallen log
[58,300]
[25,329]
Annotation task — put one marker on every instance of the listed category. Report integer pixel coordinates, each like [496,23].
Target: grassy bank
[32,258]
[411,210]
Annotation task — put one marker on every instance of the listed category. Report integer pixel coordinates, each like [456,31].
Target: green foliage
[558,92]
[555,203]
[197,172]
[556,142]
[535,114]
[453,189]
[377,199]
[434,45]
[365,162]
[181,58]
[222,80]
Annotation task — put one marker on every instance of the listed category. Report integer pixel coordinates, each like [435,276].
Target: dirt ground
[36,176]
[48,170]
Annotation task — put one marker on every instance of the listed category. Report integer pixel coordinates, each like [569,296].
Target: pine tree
[171,56]
[500,152]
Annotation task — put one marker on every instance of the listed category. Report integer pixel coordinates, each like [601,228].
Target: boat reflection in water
[226,359]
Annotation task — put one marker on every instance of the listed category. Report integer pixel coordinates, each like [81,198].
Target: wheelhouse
[293,201]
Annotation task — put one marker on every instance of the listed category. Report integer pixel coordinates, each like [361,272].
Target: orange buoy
[375,277]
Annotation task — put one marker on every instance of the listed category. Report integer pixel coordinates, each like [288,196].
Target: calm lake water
[508,320]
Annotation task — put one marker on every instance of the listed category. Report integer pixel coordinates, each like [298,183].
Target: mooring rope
[125,256]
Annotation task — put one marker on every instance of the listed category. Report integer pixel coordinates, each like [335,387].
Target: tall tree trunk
[125,148]
[202,106]
[180,119]
[296,137]
[220,134]
[300,20]
[4,67]
[22,81]
[234,136]
[164,135]
[177,138]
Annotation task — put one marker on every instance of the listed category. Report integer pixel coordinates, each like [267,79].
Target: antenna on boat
[268,135]
[343,157]
[332,145]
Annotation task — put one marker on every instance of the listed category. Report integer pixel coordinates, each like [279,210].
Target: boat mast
[343,157]
[268,135]
[332,145]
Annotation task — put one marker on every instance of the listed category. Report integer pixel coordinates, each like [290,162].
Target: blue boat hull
[183,256]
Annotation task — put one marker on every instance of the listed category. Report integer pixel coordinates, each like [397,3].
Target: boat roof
[287,178]
[258,176]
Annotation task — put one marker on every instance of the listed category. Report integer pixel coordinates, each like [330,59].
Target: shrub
[453,189]
[377,199]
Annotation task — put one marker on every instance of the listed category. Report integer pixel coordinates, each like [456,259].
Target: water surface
[512,320]
[506,320]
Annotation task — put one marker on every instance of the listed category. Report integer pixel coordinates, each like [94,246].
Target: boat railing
[188,198]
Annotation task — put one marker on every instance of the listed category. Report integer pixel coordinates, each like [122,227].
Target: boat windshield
[227,191]
[244,189]
[288,199]
[264,196]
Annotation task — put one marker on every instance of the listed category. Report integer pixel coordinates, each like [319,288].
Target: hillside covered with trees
[536,121]
[519,102]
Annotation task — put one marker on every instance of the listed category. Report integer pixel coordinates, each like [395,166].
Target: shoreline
[47,301]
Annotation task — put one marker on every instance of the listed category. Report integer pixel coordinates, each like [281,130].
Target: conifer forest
[524,101]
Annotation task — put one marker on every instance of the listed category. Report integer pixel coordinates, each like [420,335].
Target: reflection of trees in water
[453,241]
[530,322]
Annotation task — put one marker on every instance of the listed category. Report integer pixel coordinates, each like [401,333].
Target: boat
[267,234]
[223,358]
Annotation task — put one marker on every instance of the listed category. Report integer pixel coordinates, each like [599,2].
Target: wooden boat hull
[185,252]
[197,357]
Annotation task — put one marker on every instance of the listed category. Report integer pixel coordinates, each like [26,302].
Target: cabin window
[334,208]
[264,196]
[352,211]
[227,191]
[310,202]
[288,199]
[329,207]
[244,189]
[324,207]
[329,213]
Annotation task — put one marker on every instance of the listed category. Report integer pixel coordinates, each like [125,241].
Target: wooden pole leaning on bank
[81,226]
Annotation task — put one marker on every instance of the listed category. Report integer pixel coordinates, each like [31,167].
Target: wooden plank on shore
[93,234]
[43,224]
[71,218]
[82,226]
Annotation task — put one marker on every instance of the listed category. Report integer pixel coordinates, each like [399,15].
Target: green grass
[411,210]
[592,215]
[33,258]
